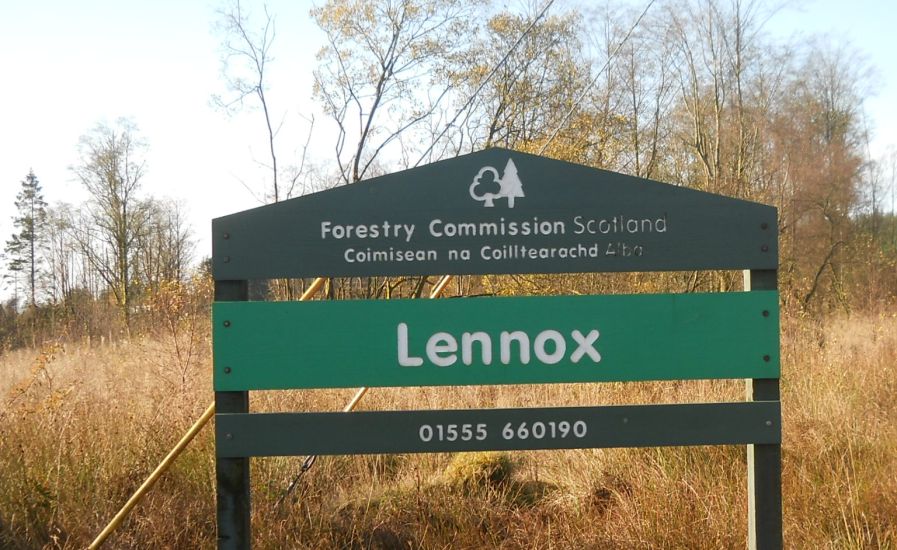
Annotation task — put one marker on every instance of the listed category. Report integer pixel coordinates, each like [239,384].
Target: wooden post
[764,461]
[232,474]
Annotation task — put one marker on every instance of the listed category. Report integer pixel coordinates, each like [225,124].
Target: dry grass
[80,428]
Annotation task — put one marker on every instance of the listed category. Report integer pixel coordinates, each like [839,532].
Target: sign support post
[232,474]
[764,460]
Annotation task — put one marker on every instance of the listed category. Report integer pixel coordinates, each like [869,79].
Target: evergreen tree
[24,251]
[511,186]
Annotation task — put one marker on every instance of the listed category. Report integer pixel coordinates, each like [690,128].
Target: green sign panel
[495,211]
[374,432]
[280,345]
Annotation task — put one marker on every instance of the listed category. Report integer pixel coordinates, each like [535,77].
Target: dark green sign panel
[496,211]
[281,434]
[280,345]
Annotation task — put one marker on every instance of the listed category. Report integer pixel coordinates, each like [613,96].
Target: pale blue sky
[870,26]
[70,64]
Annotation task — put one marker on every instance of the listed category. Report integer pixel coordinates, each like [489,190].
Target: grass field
[81,427]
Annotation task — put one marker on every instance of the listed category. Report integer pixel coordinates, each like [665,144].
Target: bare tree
[62,251]
[244,65]
[819,136]
[165,246]
[111,169]
[539,74]
[643,76]
[374,77]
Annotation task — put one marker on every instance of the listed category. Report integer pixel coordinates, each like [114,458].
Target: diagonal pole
[209,413]
[435,293]
[197,426]
[153,477]
[309,461]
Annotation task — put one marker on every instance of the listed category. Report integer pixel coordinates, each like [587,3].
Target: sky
[68,66]
[869,27]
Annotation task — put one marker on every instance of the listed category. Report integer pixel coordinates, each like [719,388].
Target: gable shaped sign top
[495,211]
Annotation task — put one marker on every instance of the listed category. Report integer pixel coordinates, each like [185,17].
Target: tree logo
[509,185]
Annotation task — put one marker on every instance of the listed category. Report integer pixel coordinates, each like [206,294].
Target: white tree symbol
[509,183]
[486,197]
[511,186]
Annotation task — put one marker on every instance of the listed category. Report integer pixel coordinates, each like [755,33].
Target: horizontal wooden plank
[353,343]
[286,434]
[495,211]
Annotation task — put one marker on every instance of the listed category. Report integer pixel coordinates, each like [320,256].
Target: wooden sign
[353,343]
[375,432]
[496,211]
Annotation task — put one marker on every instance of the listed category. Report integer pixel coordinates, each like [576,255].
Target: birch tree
[374,77]
[111,169]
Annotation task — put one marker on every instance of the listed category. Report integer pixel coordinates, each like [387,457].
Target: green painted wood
[546,216]
[570,339]
[284,434]
[232,474]
[764,460]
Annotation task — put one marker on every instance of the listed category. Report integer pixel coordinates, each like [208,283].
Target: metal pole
[209,413]
[435,293]
[160,469]
[350,406]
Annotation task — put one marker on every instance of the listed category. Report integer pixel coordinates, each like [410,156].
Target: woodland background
[104,336]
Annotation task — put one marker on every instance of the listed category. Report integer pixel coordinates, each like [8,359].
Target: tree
[111,169]
[511,186]
[378,79]
[539,75]
[62,257]
[165,246]
[637,91]
[25,250]
[247,53]
[819,137]
[377,76]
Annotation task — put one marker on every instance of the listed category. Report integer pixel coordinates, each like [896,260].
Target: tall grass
[81,427]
